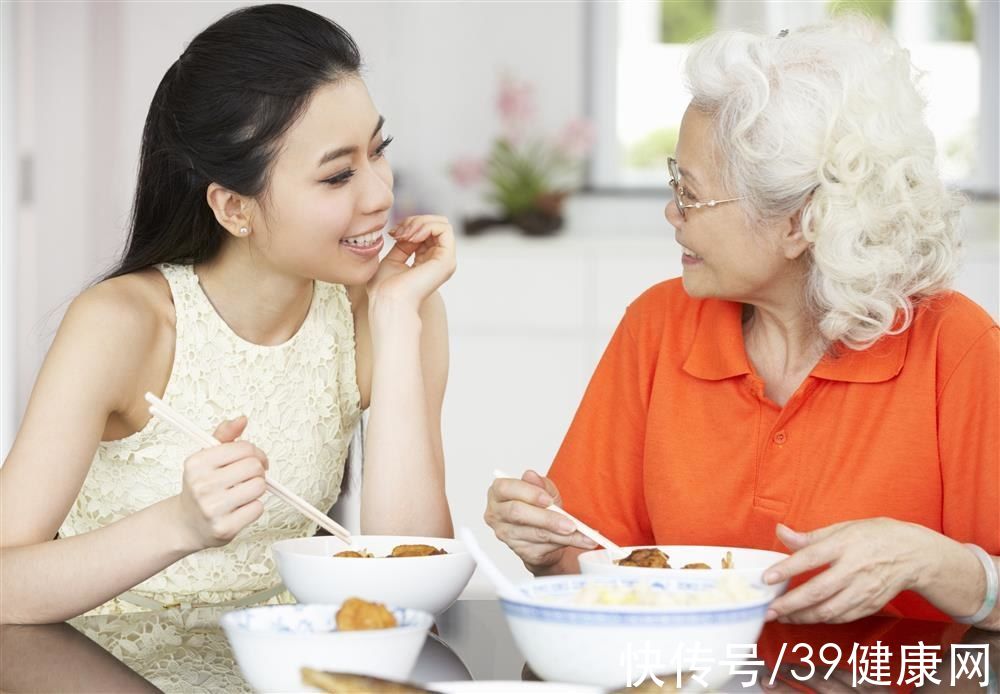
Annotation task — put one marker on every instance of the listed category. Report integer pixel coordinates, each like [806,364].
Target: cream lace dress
[303,403]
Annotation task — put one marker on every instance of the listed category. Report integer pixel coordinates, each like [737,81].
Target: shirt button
[780,438]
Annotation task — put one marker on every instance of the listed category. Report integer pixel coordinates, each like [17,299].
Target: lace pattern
[302,401]
[177,651]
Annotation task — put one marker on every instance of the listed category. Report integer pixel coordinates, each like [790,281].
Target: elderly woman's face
[731,259]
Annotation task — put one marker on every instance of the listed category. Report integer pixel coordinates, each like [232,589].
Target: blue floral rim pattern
[564,587]
[306,619]
[561,615]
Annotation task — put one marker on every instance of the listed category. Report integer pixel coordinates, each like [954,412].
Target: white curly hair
[828,120]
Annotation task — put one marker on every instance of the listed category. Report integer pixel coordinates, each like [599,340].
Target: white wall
[10,191]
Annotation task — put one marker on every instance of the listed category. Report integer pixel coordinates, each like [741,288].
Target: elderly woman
[810,383]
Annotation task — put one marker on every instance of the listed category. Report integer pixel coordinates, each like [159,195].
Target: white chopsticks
[580,525]
[160,409]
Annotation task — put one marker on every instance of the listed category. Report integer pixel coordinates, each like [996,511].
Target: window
[638,96]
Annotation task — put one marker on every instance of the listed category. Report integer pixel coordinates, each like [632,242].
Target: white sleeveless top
[302,401]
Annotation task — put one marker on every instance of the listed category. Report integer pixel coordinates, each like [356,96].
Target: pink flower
[516,104]
[467,172]
[576,138]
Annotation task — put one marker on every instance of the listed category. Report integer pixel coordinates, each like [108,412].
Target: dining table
[184,650]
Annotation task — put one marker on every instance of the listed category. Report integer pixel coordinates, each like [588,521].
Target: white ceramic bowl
[748,563]
[313,575]
[273,643]
[608,645]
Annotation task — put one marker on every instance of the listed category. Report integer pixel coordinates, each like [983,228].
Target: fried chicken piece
[646,558]
[696,565]
[352,554]
[346,683]
[415,551]
[727,561]
[356,614]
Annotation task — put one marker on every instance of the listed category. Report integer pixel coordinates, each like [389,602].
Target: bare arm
[90,373]
[403,488]
[84,379]
[403,485]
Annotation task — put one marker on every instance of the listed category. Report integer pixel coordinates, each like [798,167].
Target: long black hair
[218,115]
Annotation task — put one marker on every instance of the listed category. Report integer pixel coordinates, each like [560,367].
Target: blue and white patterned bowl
[608,645]
[273,643]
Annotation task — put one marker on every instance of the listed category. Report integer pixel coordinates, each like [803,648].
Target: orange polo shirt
[676,443]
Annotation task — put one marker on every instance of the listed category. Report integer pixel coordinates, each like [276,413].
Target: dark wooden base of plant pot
[531,223]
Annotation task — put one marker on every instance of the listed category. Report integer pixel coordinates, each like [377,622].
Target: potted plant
[526,175]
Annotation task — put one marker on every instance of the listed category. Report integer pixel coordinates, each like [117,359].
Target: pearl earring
[244,231]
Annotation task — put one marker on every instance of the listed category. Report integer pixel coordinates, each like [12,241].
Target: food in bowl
[397,551]
[646,558]
[352,554]
[357,614]
[653,558]
[416,551]
[727,590]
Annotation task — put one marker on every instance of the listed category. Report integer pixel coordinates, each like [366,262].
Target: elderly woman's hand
[870,562]
[515,509]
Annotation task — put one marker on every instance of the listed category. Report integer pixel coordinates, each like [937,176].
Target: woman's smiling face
[725,256]
[329,191]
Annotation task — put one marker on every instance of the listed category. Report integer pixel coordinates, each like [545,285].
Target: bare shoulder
[126,309]
[116,328]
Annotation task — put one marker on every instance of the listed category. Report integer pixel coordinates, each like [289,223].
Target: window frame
[602,23]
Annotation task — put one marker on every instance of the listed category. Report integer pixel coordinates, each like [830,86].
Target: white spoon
[504,586]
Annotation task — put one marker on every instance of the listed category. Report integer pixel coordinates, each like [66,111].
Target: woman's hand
[870,562]
[222,488]
[516,510]
[431,240]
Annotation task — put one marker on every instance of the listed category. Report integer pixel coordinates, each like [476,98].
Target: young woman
[251,294]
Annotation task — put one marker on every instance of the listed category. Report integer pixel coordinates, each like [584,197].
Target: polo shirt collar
[881,362]
[718,352]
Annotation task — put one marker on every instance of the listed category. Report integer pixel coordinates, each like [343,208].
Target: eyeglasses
[675,178]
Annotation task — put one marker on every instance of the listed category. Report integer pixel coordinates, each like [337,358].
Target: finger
[808,558]
[428,229]
[521,513]
[242,494]
[205,461]
[823,613]
[434,268]
[230,429]
[399,253]
[420,233]
[517,535]
[545,483]
[518,490]
[407,225]
[813,592]
[795,539]
[243,516]
[858,599]
[239,471]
